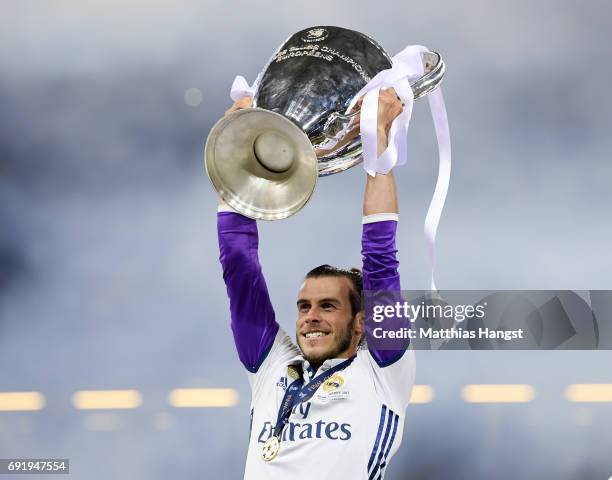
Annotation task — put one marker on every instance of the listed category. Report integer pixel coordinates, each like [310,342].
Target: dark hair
[353,274]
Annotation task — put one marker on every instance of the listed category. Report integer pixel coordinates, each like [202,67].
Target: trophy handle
[338,124]
[434,73]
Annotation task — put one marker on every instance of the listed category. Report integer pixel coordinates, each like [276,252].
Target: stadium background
[109,278]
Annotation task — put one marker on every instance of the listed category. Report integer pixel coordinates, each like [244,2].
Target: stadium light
[21,401]
[106,399]
[510,393]
[589,392]
[203,397]
[421,394]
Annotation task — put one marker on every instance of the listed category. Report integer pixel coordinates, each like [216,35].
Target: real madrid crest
[292,372]
[315,35]
[333,383]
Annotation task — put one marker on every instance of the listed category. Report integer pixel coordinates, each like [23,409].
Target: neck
[316,364]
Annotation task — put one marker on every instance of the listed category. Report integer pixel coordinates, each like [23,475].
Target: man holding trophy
[327,406]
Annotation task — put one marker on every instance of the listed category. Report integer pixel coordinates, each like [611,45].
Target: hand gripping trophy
[330,404]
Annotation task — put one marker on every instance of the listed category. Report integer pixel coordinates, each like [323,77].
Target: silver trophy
[264,161]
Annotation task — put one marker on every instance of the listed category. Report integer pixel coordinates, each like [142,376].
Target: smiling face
[326,327]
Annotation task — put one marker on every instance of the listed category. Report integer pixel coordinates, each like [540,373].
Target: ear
[359,324]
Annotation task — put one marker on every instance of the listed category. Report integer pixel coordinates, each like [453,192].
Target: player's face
[325,326]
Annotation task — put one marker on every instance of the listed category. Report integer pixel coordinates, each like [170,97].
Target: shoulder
[393,382]
[281,353]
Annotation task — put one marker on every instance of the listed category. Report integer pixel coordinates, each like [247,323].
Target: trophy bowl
[264,161]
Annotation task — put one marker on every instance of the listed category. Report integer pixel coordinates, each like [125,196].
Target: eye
[328,306]
[303,307]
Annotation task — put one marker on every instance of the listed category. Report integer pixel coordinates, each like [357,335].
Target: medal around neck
[270,448]
[264,161]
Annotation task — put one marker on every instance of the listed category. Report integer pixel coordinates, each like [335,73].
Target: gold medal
[270,448]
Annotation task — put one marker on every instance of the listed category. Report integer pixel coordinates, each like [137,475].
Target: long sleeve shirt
[357,420]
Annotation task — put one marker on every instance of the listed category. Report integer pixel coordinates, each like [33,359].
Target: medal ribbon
[298,393]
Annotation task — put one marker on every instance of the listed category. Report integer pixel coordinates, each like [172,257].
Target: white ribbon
[406,65]
[241,89]
[432,220]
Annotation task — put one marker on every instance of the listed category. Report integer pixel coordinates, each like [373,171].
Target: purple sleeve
[253,322]
[380,272]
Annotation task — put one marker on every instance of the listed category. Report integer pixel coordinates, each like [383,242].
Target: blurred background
[115,347]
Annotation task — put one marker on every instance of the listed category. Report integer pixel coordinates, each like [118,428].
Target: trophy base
[261,164]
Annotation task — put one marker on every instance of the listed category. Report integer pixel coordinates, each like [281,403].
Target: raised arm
[253,322]
[380,217]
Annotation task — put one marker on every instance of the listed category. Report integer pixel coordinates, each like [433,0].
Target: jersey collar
[308,371]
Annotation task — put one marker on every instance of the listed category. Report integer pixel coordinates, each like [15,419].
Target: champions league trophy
[264,161]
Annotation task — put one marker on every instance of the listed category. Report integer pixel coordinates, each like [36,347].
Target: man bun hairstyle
[352,274]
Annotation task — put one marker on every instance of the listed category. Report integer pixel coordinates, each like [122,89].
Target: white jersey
[349,428]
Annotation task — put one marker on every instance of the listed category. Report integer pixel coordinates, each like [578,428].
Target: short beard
[342,344]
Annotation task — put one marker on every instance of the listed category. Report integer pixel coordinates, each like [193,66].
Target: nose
[312,316]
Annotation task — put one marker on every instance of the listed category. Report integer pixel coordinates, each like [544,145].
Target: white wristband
[380,217]
[224,207]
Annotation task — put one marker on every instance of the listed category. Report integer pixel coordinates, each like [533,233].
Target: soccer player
[324,408]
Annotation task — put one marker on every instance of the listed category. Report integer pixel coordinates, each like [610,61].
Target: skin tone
[380,192]
[326,327]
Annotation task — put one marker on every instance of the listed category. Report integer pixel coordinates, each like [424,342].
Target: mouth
[315,334]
